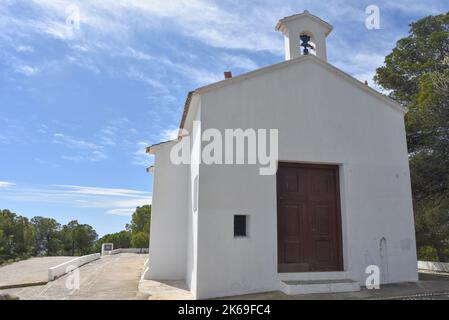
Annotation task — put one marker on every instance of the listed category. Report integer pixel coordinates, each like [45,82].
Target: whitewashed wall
[168,218]
[321,119]
[192,218]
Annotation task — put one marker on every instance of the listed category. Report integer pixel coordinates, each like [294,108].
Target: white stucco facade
[169,218]
[324,117]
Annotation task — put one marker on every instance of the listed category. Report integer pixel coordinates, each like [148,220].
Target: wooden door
[309,219]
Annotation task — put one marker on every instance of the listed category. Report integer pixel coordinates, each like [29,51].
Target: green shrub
[427,253]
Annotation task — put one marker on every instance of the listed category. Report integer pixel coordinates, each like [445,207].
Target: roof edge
[152,149]
[185,112]
[306,13]
[150,169]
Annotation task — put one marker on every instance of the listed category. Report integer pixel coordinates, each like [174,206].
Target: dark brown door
[309,219]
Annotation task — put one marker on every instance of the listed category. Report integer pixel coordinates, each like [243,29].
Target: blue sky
[78,106]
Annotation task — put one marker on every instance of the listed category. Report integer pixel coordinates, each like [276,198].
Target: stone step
[306,276]
[319,286]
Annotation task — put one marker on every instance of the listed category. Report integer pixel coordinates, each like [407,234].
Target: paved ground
[109,278]
[431,286]
[34,270]
[117,278]
[165,290]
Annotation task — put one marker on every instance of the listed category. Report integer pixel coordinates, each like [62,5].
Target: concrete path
[109,278]
[165,290]
[28,272]
[431,286]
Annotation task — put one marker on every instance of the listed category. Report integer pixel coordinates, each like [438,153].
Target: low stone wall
[433,266]
[66,267]
[129,250]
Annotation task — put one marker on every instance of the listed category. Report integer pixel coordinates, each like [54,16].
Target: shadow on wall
[383,250]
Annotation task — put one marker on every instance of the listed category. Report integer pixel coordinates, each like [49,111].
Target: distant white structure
[340,201]
[106,248]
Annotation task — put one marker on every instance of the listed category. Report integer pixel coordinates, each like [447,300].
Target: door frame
[338,204]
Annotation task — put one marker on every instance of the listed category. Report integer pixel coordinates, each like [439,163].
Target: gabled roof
[327,26]
[393,104]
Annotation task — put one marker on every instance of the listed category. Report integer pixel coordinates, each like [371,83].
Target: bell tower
[304,34]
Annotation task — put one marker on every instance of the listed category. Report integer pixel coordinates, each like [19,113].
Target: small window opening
[306,45]
[240,226]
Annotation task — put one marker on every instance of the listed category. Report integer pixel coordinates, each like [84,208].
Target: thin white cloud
[95,152]
[94,16]
[6,184]
[133,73]
[73,158]
[98,155]
[79,47]
[84,63]
[112,134]
[25,49]
[107,21]
[105,29]
[140,156]
[210,23]
[169,134]
[74,143]
[246,26]
[4,140]
[42,128]
[121,212]
[241,62]
[199,76]
[414,7]
[118,135]
[136,54]
[26,70]
[112,200]
[101,191]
